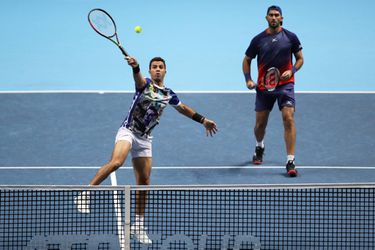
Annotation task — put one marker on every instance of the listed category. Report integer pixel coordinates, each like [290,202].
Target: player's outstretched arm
[209,125]
[139,80]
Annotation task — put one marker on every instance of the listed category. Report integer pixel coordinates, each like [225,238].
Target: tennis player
[134,135]
[274,47]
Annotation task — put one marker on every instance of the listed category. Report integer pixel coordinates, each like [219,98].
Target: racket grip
[123,51]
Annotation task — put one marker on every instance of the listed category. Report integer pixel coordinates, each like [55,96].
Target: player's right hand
[131,61]
[251,84]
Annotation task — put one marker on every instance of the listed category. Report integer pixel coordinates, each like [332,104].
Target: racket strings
[102,23]
[271,79]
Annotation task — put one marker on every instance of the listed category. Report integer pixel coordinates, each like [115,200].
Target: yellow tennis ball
[138,29]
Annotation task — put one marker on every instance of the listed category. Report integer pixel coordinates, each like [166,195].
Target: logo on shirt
[274,40]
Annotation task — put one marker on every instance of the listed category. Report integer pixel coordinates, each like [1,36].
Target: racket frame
[277,78]
[117,41]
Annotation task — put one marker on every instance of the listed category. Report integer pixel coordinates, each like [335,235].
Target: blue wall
[48,44]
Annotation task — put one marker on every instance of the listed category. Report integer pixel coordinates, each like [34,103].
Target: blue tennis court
[62,138]
[220,201]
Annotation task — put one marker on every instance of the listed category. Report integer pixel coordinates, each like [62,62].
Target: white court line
[180,91]
[186,167]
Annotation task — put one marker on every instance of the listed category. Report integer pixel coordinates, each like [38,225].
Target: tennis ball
[138,29]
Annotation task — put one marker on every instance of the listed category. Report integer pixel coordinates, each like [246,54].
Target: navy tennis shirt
[274,50]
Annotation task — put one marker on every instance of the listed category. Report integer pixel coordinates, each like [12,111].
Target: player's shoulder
[258,38]
[289,33]
[260,35]
[169,90]
[148,81]
[174,100]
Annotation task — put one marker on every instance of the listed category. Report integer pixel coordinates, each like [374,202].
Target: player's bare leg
[142,171]
[290,138]
[261,120]
[119,154]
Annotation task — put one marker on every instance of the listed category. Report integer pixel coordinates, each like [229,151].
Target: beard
[157,80]
[274,25]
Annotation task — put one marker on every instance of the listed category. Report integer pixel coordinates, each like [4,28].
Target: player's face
[157,71]
[274,19]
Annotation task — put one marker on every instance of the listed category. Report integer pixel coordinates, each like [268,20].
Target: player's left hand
[210,126]
[286,75]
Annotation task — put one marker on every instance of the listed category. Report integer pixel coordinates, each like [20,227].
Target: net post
[117,206]
[127,206]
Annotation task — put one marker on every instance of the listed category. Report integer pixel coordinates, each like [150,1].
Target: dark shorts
[284,95]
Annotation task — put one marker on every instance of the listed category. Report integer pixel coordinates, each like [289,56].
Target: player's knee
[116,164]
[143,180]
[260,126]
[288,122]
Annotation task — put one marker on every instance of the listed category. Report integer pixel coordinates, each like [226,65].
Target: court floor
[63,138]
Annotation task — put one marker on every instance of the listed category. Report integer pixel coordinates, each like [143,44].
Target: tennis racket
[105,25]
[271,79]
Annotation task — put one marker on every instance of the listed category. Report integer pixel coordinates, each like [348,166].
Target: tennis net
[311,216]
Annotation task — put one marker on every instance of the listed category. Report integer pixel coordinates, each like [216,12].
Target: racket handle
[123,51]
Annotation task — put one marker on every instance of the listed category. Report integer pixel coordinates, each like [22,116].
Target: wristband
[136,69]
[247,77]
[294,70]
[198,118]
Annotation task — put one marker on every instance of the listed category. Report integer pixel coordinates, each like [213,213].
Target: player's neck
[160,84]
[272,30]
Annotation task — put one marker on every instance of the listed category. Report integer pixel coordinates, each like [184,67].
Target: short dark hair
[274,7]
[157,59]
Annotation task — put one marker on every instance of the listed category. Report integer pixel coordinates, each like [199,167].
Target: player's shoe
[140,234]
[258,155]
[82,202]
[291,169]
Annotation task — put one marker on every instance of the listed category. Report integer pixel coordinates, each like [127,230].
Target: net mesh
[48,219]
[247,217]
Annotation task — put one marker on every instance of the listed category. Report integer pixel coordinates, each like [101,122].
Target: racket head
[102,22]
[271,79]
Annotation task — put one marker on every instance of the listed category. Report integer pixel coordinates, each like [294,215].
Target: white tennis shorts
[141,146]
